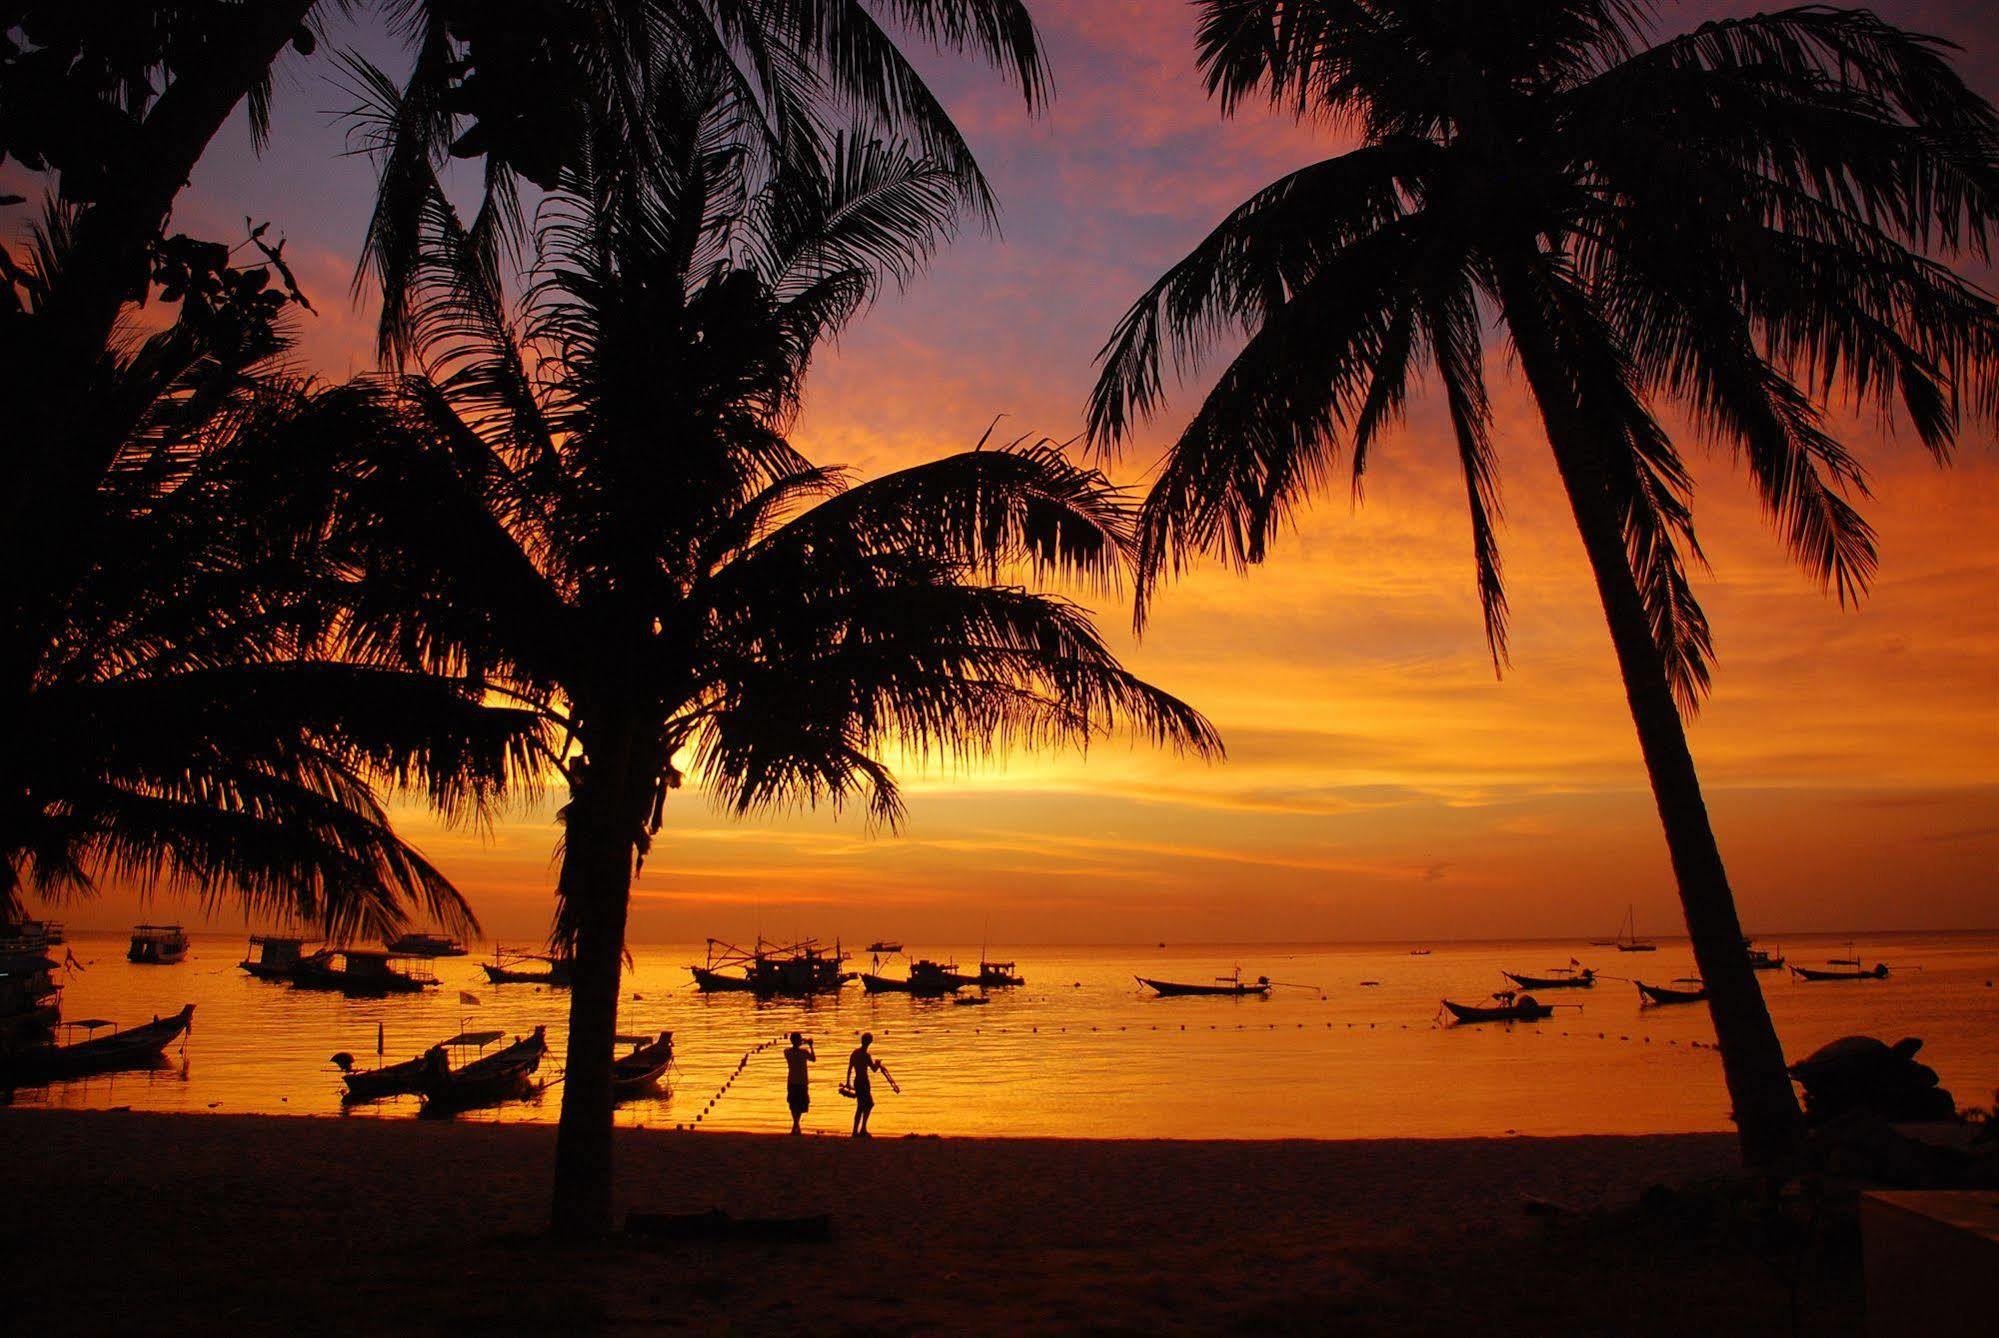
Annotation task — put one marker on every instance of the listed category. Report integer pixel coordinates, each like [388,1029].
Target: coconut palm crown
[1750,222]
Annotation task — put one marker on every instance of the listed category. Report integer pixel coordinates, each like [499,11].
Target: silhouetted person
[861,1067]
[798,1077]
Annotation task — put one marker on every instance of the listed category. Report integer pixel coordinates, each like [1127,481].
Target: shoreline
[189,1222]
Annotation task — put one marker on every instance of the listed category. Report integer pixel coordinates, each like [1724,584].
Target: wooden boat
[1666,994]
[134,1047]
[771,970]
[273,956]
[425,945]
[1765,959]
[29,935]
[359,973]
[997,975]
[527,968]
[1558,978]
[885,947]
[1505,1007]
[1627,939]
[639,1071]
[157,945]
[30,999]
[1879,972]
[926,980]
[486,1081]
[1233,986]
[404,1079]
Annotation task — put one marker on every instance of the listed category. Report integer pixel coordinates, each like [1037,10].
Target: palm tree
[168,721]
[1742,221]
[596,509]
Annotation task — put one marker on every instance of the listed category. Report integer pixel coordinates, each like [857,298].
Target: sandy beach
[245,1224]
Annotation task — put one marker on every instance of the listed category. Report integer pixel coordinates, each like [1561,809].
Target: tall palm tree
[595,507]
[167,720]
[1741,221]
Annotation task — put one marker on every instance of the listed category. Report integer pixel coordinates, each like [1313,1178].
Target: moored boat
[404,1079]
[1764,959]
[998,975]
[639,1071]
[157,945]
[133,1047]
[1627,939]
[30,999]
[1878,972]
[425,945]
[489,1080]
[359,973]
[527,968]
[926,979]
[772,970]
[1505,1007]
[273,956]
[1685,990]
[1558,978]
[1232,986]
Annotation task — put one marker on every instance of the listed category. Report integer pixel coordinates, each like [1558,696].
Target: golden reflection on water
[1081,1050]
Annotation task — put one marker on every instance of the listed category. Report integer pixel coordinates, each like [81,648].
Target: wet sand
[115,1222]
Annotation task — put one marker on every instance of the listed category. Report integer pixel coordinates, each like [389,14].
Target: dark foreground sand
[117,1222]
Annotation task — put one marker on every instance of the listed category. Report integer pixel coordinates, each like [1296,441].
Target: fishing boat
[1233,986]
[998,975]
[1506,1006]
[885,947]
[404,1079]
[1763,959]
[273,956]
[639,1071]
[1685,990]
[926,980]
[1558,978]
[1878,972]
[425,945]
[360,973]
[30,999]
[157,945]
[772,970]
[134,1047]
[1627,939]
[489,1080]
[527,968]
[29,935]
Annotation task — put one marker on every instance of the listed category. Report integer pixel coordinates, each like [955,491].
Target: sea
[1350,1042]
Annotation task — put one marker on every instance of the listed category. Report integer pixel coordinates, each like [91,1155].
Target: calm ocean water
[1081,1050]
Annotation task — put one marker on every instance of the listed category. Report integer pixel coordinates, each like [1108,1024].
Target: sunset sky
[1381,782]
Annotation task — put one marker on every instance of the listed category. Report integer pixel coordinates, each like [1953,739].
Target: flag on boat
[467,997]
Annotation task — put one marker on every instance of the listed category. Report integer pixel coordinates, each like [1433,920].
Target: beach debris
[1860,1073]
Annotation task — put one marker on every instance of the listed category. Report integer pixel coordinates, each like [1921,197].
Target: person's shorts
[864,1097]
[799,1097]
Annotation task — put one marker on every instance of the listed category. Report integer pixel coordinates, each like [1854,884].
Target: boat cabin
[426,945]
[273,956]
[361,972]
[157,945]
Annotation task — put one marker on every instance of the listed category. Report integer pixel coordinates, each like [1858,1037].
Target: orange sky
[1381,782]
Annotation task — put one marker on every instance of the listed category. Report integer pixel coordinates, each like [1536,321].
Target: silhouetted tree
[1741,220]
[169,720]
[597,508]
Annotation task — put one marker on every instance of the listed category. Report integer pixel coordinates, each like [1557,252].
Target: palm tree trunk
[1766,1107]
[596,883]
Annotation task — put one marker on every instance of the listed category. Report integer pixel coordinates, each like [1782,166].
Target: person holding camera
[798,1078]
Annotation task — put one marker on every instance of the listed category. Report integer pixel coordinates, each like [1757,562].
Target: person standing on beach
[798,1078]
[861,1066]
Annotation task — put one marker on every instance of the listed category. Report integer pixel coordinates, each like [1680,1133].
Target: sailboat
[1627,939]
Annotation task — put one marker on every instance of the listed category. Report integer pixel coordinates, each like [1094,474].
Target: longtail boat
[926,979]
[998,975]
[1558,978]
[527,968]
[1765,959]
[359,973]
[486,1081]
[1234,986]
[1666,994]
[1878,972]
[157,945]
[1505,1007]
[404,1079]
[639,1071]
[772,970]
[133,1047]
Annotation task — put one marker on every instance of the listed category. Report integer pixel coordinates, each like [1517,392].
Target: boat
[972,1001]
[157,945]
[885,947]
[1686,989]
[1506,1006]
[926,980]
[639,1071]
[1558,978]
[134,1047]
[1878,972]
[997,975]
[425,945]
[489,1080]
[404,1079]
[772,970]
[273,956]
[29,935]
[1763,959]
[359,973]
[1627,939]
[1413,952]
[1233,986]
[527,968]
[30,999]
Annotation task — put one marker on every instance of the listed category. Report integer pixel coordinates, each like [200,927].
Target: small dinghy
[486,1081]
[639,1072]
